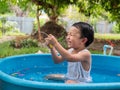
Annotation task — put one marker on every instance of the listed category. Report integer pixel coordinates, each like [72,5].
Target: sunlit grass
[96,52]
[6,50]
[107,36]
[14,34]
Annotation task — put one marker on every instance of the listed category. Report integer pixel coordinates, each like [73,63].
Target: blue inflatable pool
[27,72]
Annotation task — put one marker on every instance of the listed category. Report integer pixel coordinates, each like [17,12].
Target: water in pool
[102,75]
[39,73]
[99,75]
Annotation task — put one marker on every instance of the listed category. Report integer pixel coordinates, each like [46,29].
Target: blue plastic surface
[15,73]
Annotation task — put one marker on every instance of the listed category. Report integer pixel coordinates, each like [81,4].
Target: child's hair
[86,30]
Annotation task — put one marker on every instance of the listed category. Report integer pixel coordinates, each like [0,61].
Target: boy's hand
[50,41]
[47,42]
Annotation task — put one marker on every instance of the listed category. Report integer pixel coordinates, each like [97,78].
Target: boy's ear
[84,40]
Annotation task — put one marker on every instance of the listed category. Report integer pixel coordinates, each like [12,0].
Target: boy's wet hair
[86,30]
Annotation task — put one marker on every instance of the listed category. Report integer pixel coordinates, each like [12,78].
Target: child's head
[86,31]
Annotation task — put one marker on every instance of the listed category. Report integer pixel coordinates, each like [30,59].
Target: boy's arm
[55,56]
[82,56]
[65,55]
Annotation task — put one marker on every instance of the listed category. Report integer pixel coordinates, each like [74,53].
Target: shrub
[116,28]
[24,43]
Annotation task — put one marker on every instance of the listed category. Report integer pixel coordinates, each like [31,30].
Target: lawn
[107,36]
[7,50]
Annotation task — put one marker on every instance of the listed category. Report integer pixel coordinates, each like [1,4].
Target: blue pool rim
[35,84]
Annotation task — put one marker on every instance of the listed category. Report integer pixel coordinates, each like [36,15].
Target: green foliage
[23,4]
[4,7]
[113,6]
[25,43]
[53,8]
[72,12]
[116,28]
[7,26]
[110,6]
[10,26]
[13,6]
[29,43]
[2,23]
[3,19]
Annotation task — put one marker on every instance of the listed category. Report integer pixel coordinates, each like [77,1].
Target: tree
[111,6]
[53,8]
[91,8]
[20,7]
[108,9]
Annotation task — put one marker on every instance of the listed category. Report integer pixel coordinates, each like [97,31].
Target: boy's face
[73,37]
[73,31]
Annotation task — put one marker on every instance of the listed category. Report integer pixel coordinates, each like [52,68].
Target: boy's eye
[70,34]
[73,34]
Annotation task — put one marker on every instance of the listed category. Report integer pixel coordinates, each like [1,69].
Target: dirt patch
[7,38]
[98,45]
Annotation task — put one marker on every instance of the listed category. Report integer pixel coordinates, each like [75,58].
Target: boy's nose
[67,37]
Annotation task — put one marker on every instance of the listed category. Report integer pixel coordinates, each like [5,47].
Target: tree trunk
[53,18]
[38,21]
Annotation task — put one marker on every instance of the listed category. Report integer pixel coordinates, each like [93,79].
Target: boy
[79,37]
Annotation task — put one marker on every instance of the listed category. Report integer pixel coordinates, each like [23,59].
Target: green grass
[6,50]
[96,52]
[107,36]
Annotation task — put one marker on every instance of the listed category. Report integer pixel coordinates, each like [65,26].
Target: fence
[104,27]
[25,24]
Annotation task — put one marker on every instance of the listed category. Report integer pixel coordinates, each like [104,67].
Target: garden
[26,62]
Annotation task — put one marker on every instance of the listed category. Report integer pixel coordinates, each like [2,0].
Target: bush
[8,26]
[24,43]
[116,28]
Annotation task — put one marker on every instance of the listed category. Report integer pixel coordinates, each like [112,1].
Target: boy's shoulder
[70,49]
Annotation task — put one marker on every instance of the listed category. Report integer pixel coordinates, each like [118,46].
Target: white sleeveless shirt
[75,71]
